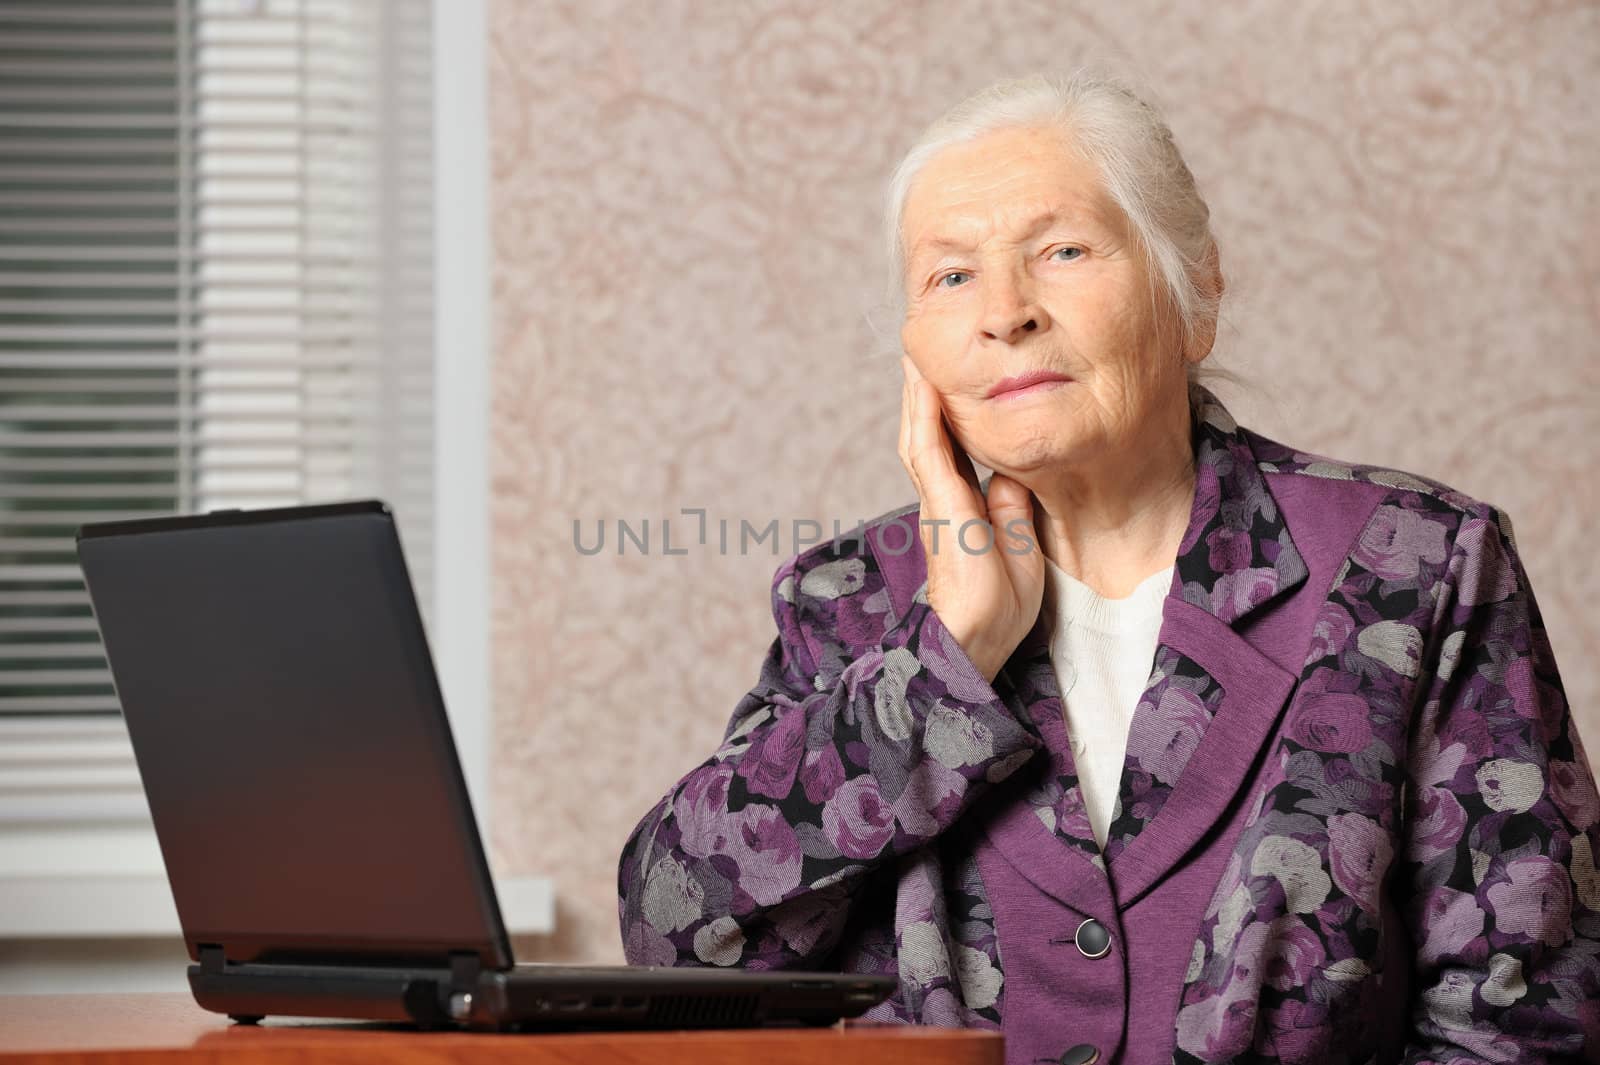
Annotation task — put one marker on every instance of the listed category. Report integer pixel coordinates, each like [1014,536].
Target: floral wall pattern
[687,282]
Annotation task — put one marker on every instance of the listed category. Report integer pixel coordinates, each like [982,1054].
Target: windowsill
[140,907]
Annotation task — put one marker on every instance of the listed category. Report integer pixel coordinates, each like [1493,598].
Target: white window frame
[72,865]
[462,357]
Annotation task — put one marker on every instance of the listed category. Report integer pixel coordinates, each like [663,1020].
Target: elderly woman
[1169,742]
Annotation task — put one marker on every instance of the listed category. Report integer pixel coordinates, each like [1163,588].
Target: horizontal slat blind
[215,287]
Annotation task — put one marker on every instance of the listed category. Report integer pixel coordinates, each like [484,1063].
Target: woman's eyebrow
[939,242]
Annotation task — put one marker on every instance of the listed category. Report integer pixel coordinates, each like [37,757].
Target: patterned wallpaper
[687,275]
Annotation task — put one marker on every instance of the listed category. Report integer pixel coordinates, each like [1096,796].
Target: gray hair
[1139,165]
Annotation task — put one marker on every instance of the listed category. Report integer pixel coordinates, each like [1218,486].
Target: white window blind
[215,291]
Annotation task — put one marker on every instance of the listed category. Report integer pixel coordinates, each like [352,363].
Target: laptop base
[533,997]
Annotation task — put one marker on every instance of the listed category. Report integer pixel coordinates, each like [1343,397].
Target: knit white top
[1102,650]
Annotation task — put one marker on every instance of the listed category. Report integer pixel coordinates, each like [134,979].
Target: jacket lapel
[1157,825]
[1213,697]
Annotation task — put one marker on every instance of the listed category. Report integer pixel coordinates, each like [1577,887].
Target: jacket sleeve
[837,760]
[1500,827]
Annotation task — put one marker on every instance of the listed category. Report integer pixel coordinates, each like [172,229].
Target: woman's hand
[986,593]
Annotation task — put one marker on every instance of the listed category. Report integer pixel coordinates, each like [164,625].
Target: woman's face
[1018,261]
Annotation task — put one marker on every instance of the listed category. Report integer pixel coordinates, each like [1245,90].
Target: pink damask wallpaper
[687,275]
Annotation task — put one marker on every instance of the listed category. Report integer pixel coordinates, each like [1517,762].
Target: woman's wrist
[984,655]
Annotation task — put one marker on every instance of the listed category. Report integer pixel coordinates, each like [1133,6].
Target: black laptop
[311,811]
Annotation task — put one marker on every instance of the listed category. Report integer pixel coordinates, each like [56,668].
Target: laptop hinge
[432,1006]
[464,969]
[212,960]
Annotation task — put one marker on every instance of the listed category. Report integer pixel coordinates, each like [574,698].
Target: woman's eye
[946,277]
[1076,253]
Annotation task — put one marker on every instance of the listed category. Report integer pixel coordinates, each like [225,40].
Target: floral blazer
[1355,824]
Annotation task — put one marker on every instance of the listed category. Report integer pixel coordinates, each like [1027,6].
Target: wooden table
[149,1028]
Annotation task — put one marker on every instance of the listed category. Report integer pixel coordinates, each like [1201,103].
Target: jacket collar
[1237,554]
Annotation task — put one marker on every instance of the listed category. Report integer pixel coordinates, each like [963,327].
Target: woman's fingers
[912,373]
[963,462]
[926,459]
[1017,540]
[907,414]
[904,446]
[932,459]
[949,450]
[1010,502]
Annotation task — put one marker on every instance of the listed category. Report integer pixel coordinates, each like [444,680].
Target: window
[216,290]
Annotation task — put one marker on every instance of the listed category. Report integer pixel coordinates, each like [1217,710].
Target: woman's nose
[1011,312]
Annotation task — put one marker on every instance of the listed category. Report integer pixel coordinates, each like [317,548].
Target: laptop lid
[291,736]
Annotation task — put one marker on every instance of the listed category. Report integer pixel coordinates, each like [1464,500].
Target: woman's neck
[1114,526]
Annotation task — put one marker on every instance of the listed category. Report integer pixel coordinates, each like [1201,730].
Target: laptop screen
[288,727]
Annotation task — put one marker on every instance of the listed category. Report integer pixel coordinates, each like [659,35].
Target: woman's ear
[1212,286]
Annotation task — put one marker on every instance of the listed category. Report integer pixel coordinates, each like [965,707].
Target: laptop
[311,811]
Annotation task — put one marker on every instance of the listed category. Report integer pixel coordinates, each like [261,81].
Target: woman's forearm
[752,858]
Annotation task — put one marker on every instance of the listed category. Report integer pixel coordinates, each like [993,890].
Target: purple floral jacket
[1355,823]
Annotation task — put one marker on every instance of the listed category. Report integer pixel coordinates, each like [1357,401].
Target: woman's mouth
[1027,384]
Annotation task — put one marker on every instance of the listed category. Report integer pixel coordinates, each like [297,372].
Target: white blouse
[1102,650]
